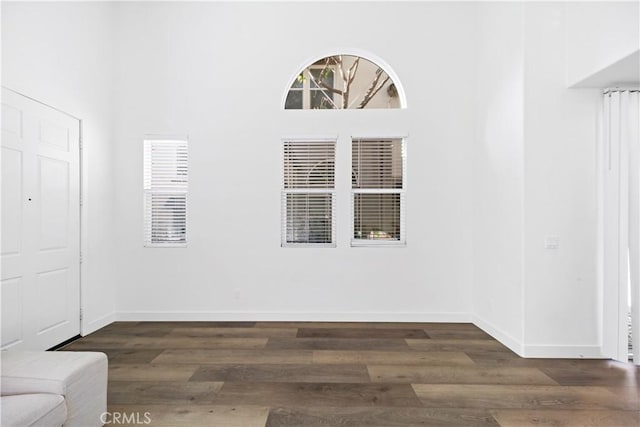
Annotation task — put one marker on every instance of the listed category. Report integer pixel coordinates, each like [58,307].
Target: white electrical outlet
[551,242]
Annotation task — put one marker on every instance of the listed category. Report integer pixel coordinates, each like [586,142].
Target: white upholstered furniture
[53,388]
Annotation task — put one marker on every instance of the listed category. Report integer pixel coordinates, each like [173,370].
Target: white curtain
[621,222]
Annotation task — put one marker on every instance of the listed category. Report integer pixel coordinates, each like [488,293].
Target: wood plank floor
[249,374]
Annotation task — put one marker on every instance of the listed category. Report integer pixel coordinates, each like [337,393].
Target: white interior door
[40,287]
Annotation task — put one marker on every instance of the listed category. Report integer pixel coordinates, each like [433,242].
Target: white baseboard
[564,351]
[177,316]
[98,323]
[506,339]
[540,351]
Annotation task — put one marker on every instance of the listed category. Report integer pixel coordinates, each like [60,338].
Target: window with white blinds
[165,193]
[378,191]
[308,194]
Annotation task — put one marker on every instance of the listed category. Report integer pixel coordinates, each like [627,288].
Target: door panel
[52,292]
[11,122]
[11,202]
[11,311]
[54,135]
[53,196]
[40,224]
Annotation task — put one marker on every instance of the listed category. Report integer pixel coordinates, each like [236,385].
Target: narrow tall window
[165,193]
[308,213]
[378,187]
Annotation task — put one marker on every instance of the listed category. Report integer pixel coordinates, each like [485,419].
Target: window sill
[308,245]
[378,244]
[165,245]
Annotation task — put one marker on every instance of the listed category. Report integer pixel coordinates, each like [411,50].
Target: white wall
[498,169]
[61,54]
[534,176]
[217,72]
[599,34]
[561,289]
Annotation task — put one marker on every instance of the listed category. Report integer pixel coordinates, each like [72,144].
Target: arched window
[341,82]
[378,158]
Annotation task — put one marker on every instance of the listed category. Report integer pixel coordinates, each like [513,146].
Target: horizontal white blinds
[165,187]
[377,163]
[308,208]
[377,216]
[378,181]
[309,164]
[309,218]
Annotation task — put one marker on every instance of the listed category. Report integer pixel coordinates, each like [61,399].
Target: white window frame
[149,190]
[401,191]
[287,191]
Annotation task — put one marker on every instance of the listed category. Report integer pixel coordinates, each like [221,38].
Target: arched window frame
[402,99]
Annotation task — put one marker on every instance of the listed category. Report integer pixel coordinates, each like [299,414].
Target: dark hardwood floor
[249,374]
